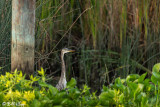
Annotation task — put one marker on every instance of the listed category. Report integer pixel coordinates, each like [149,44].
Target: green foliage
[156,74]
[15,88]
[133,91]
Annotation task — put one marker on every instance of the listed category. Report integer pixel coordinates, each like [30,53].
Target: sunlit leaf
[156,68]
[142,77]
[132,77]
[156,75]
[71,83]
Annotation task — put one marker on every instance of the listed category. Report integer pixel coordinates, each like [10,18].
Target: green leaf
[52,89]
[41,72]
[156,75]
[67,102]
[104,98]
[104,103]
[154,80]
[74,93]
[105,88]
[46,100]
[142,77]
[132,86]
[42,84]
[36,103]
[156,68]
[107,95]
[61,95]
[139,88]
[132,77]
[118,84]
[2,97]
[86,90]
[33,78]
[93,103]
[71,83]
[118,81]
[121,98]
[38,95]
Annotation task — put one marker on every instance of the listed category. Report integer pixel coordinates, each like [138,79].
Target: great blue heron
[62,82]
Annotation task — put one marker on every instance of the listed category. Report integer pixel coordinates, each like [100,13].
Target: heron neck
[63,67]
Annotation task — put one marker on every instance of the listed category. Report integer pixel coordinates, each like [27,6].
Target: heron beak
[71,51]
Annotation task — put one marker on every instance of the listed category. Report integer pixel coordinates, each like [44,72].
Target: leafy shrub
[134,91]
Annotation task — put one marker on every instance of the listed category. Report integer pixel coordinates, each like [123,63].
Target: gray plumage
[62,82]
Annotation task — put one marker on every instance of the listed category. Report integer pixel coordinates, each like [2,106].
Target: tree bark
[23,31]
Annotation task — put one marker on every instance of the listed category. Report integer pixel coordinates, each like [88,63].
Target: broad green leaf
[1,97]
[107,95]
[43,84]
[123,81]
[73,93]
[104,103]
[121,98]
[104,98]
[118,81]
[156,68]
[118,84]
[61,94]
[156,75]
[132,77]
[68,102]
[36,103]
[71,83]
[132,87]
[37,95]
[142,77]
[105,88]
[146,81]
[154,80]
[52,89]
[46,100]
[93,102]
[139,88]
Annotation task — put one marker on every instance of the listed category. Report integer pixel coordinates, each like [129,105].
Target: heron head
[66,50]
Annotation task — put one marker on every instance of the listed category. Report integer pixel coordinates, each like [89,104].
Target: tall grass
[5,34]
[112,38]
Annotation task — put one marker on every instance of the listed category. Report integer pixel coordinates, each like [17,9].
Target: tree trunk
[23,31]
